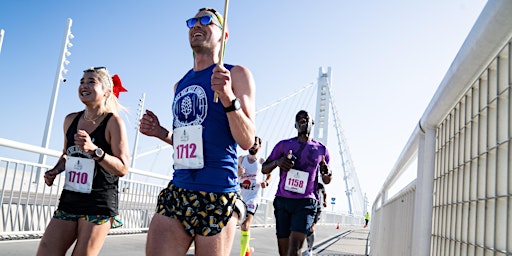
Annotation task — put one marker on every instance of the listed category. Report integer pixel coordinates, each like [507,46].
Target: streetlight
[1,38]
[58,78]
[140,110]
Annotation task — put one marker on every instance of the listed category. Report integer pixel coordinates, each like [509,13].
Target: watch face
[237,104]
[98,152]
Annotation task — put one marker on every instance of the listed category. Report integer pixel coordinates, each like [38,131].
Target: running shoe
[249,251]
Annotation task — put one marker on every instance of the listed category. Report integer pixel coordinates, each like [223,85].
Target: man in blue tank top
[199,203]
[301,160]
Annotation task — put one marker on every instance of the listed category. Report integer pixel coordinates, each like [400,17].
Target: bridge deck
[345,240]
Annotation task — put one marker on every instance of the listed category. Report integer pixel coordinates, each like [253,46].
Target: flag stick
[222,44]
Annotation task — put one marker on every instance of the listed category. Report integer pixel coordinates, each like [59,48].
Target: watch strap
[102,157]
[235,105]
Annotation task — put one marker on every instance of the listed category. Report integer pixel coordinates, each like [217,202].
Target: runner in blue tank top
[199,203]
[300,159]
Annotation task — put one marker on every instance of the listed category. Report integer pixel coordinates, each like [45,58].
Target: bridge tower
[324,104]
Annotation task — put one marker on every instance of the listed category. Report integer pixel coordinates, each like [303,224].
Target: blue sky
[387,60]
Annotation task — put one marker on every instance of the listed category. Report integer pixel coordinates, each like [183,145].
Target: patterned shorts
[202,213]
[96,219]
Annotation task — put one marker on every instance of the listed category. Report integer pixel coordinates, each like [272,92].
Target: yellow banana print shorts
[201,213]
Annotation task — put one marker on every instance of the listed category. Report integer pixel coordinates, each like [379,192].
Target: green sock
[244,242]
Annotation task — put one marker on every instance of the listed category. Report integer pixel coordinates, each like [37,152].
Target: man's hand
[221,84]
[241,170]
[324,169]
[150,125]
[286,162]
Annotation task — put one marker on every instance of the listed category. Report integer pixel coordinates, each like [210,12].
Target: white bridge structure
[278,120]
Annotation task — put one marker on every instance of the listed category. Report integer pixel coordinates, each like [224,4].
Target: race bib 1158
[296,181]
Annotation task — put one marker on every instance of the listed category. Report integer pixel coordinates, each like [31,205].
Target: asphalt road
[262,239]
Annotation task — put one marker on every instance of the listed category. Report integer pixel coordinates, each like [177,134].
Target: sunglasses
[94,69]
[204,20]
[217,14]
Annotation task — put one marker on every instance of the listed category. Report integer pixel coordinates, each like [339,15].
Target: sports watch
[235,105]
[99,154]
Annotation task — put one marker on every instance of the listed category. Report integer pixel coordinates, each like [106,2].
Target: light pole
[58,78]
[1,38]
[140,110]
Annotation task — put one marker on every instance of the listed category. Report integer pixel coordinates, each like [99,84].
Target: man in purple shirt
[299,160]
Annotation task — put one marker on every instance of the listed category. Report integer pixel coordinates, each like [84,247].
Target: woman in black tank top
[95,155]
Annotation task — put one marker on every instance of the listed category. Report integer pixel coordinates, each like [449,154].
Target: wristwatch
[99,154]
[329,173]
[235,105]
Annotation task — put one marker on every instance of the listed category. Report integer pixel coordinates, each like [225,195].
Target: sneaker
[308,253]
[249,251]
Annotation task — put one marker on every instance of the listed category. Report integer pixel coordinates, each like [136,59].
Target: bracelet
[266,183]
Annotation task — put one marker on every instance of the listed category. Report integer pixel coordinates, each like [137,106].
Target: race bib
[79,174]
[296,181]
[188,147]
[251,207]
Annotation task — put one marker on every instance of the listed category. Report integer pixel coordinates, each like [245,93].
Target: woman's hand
[49,176]
[83,141]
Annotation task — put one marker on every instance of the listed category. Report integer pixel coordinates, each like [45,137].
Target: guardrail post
[422,228]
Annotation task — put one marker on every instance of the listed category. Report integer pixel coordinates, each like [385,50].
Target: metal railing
[27,204]
[460,202]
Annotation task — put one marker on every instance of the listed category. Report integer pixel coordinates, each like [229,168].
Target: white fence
[461,200]
[27,204]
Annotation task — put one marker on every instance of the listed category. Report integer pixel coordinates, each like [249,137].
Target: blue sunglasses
[204,20]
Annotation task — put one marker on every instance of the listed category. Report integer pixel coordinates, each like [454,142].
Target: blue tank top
[193,105]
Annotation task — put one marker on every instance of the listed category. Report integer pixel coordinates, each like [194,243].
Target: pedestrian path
[341,241]
[353,241]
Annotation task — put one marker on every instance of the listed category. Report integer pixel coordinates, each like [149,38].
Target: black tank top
[103,199]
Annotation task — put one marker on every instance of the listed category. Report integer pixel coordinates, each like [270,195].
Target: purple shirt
[309,155]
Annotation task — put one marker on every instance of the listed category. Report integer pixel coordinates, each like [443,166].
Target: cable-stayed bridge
[275,122]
